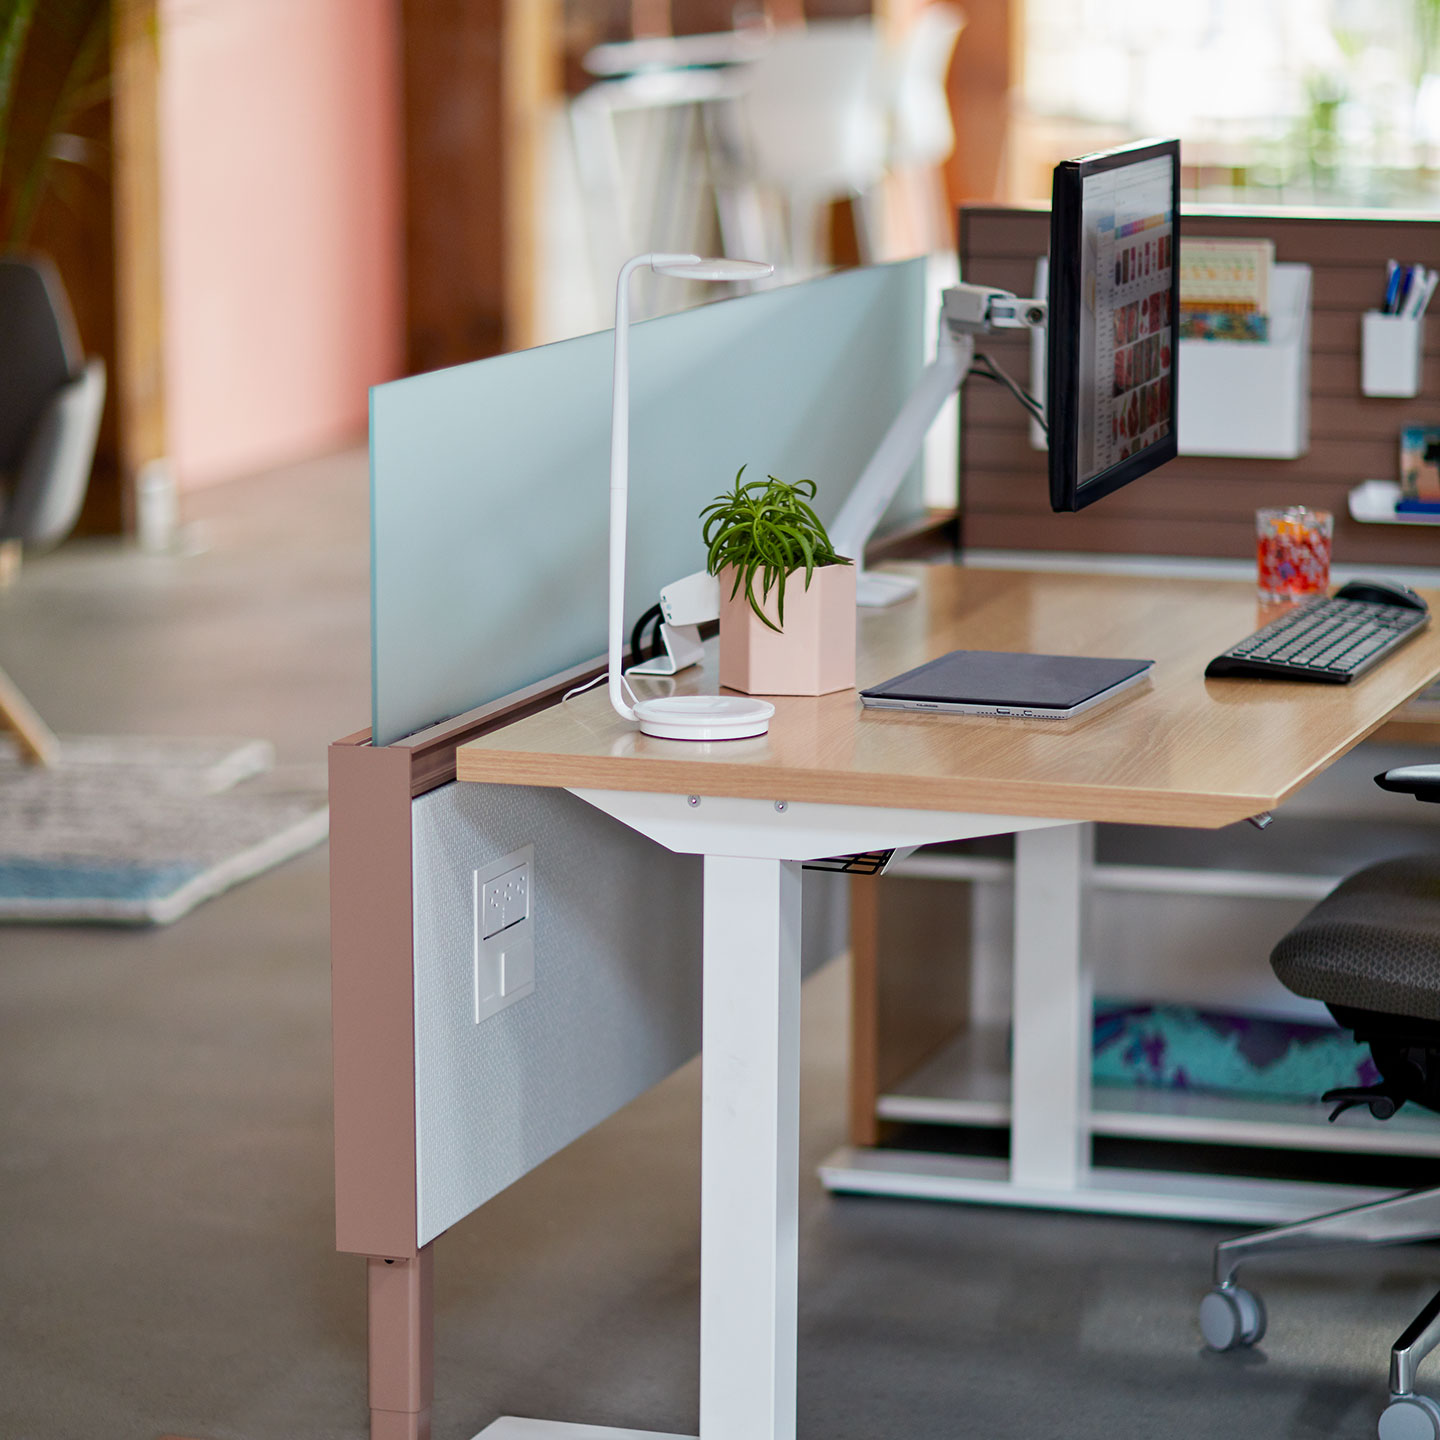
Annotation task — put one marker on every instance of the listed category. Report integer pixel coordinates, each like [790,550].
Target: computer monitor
[1114,307]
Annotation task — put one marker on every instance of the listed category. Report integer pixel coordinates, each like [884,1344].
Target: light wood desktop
[1179,750]
[832,778]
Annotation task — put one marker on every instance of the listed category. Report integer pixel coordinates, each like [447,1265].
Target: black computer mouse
[1381,592]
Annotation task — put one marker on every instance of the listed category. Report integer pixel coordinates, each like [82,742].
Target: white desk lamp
[676,717]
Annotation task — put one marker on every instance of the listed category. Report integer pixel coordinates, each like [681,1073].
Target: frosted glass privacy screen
[490,489]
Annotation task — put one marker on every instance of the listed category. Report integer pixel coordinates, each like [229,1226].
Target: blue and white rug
[140,830]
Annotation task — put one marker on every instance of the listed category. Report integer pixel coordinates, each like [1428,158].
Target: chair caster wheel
[1412,1417]
[1231,1317]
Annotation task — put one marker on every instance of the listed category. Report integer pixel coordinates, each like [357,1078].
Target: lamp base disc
[704,717]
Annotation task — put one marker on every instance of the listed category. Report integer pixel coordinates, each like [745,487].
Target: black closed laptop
[1002,682]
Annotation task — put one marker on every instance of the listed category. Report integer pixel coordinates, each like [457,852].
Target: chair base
[1232,1318]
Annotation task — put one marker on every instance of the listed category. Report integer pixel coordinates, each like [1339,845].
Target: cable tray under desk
[968,1083]
[1128,879]
[1300,857]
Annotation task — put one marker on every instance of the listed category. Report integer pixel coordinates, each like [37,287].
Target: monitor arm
[965,312]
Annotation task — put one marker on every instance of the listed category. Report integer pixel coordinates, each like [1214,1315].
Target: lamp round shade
[718,269]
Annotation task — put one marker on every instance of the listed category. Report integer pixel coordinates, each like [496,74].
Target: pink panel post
[402,1347]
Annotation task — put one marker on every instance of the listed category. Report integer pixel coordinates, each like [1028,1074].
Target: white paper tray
[1251,398]
[1374,503]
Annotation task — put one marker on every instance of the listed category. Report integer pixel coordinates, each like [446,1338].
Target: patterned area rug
[137,831]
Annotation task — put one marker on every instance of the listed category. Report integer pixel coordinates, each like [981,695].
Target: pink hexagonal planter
[813,655]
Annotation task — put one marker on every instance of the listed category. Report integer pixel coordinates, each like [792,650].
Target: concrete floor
[165,1183]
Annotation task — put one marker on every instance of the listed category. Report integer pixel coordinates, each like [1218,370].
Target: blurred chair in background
[922,134]
[51,399]
[755,134]
[50,404]
[642,137]
[641,146]
[814,128]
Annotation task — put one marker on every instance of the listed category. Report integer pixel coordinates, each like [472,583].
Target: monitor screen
[1114,308]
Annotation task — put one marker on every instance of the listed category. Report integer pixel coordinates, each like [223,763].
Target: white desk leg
[749,1156]
[1050,1063]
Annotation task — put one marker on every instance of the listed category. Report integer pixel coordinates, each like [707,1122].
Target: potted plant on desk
[778,637]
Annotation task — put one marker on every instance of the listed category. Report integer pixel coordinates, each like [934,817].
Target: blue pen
[1407,279]
[1392,287]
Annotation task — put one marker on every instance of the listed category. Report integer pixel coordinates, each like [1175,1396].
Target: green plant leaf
[765,531]
[15,21]
[86,83]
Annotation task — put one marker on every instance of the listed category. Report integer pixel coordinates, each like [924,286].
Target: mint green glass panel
[490,482]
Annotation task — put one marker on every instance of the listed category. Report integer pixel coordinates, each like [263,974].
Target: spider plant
[765,530]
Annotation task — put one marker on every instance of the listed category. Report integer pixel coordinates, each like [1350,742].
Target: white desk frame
[753,851]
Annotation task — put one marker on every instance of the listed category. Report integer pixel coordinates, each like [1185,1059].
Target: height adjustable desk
[832,779]
[488,578]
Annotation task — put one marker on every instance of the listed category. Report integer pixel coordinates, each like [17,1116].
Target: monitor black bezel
[1062,350]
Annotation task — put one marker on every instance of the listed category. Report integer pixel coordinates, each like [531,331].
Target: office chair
[50,405]
[922,134]
[1371,951]
[814,127]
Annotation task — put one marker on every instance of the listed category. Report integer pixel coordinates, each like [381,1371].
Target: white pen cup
[1391,352]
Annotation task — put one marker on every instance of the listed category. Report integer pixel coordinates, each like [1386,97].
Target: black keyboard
[1330,640]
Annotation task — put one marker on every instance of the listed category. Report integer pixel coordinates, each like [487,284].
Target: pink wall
[281,226]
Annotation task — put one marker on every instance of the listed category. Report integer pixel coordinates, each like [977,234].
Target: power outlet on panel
[504,943]
[504,901]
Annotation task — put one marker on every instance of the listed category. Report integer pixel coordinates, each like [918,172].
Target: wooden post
[983,79]
[909,984]
[139,381]
[531,83]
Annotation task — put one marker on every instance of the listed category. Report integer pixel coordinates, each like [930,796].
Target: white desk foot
[509,1427]
[922,1176]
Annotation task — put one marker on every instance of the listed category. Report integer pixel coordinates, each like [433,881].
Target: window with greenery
[1302,102]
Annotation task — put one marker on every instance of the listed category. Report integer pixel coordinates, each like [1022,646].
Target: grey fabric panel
[55,471]
[39,351]
[1373,942]
[616,1005]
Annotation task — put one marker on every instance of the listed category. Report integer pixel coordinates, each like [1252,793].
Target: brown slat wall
[1206,506]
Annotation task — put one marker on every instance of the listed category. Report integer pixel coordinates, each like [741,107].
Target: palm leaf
[14,27]
[78,91]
